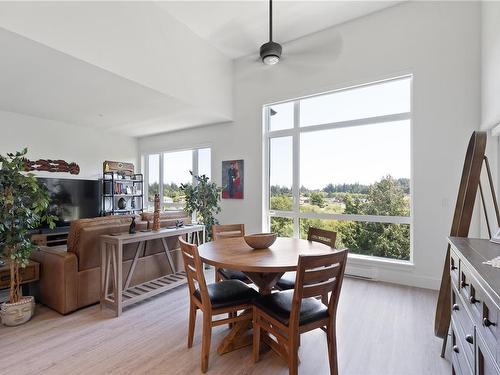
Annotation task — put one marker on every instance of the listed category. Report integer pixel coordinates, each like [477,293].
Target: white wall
[438,42]
[490,94]
[490,65]
[48,139]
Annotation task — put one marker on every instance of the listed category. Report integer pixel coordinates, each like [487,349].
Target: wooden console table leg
[169,256]
[140,246]
[104,274]
[119,276]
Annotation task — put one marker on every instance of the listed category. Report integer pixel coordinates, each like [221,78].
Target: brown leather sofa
[70,275]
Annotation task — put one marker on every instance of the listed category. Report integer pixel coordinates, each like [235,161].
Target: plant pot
[14,314]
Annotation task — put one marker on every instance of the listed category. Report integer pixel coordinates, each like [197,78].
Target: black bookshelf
[128,187]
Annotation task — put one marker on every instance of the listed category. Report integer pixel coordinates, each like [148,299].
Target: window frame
[145,165]
[295,133]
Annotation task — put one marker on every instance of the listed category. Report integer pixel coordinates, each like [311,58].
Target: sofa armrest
[58,285]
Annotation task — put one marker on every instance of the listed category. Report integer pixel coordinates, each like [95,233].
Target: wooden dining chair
[326,237]
[220,232]
[287,314]
[226,297]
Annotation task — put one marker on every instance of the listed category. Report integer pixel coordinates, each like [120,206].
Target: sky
[361,154]
[353,154]
[177,164]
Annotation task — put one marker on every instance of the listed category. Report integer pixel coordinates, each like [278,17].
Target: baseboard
[396,276]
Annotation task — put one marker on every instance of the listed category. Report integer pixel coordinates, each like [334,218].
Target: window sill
[368,260]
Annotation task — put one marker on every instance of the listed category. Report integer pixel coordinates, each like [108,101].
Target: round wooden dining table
[264,267]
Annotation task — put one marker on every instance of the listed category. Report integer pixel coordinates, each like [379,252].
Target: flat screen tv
[72,199]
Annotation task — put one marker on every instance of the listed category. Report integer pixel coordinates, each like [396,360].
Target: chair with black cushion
[225,297]
[287,314]
[220,232]
[323,236]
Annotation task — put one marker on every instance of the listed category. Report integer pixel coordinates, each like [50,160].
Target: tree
[203,199]
[385,198]
[23,207]
[317,199]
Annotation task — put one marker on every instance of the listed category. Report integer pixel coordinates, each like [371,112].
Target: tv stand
[51,239]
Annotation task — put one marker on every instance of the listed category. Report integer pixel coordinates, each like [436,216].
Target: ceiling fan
[270,52]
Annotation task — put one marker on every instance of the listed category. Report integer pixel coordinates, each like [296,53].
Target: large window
[165,172]
[342,161]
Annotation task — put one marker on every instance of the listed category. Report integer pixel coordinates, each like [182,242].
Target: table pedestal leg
[239,335]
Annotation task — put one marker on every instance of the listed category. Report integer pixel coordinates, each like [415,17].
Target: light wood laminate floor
[383,329]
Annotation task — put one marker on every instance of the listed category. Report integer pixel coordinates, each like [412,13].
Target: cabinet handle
[487,322]
[469,339]
[455,307]
[473,300]
[455,349]
[464,284]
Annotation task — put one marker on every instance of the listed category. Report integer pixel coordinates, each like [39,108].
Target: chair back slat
[194,270]
[319,289]
[228,231]
[323,236]
[321,274]
[318,275]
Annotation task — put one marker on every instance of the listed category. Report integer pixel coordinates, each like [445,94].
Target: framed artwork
[233,181]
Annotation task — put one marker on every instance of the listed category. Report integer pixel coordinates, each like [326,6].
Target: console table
[475,307]
[112,260]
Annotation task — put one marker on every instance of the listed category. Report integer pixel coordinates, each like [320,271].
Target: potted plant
[203,199]
[23,206]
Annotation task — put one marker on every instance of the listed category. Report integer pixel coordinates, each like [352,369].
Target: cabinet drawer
[454,268]
[458,357]
[485,363]
[464,327]
[486,319]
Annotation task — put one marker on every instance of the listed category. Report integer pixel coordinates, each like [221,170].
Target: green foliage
[387,197]
[317,199]
[203,199]
[23,207]
[281,202]
[282,226]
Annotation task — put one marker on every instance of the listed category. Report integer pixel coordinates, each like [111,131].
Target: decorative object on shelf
[260,240]
[156,215]
[122,189]
[232,179]
[23,206]
[131,229]
[203,200]
[123,169]
[48,165]
[122,203]
[179,223]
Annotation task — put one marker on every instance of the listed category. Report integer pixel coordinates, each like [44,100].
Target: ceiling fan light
[270,53]
[270,59]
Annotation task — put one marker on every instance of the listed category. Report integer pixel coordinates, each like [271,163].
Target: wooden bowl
[260,240]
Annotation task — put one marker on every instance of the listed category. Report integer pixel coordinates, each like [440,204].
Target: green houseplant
[23,207]
[203,199]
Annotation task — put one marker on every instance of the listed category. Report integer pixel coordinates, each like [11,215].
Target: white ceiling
[239,28]
[42,82]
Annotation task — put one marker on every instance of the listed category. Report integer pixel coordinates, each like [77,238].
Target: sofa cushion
[167,215]
[88,246]
[78,225]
